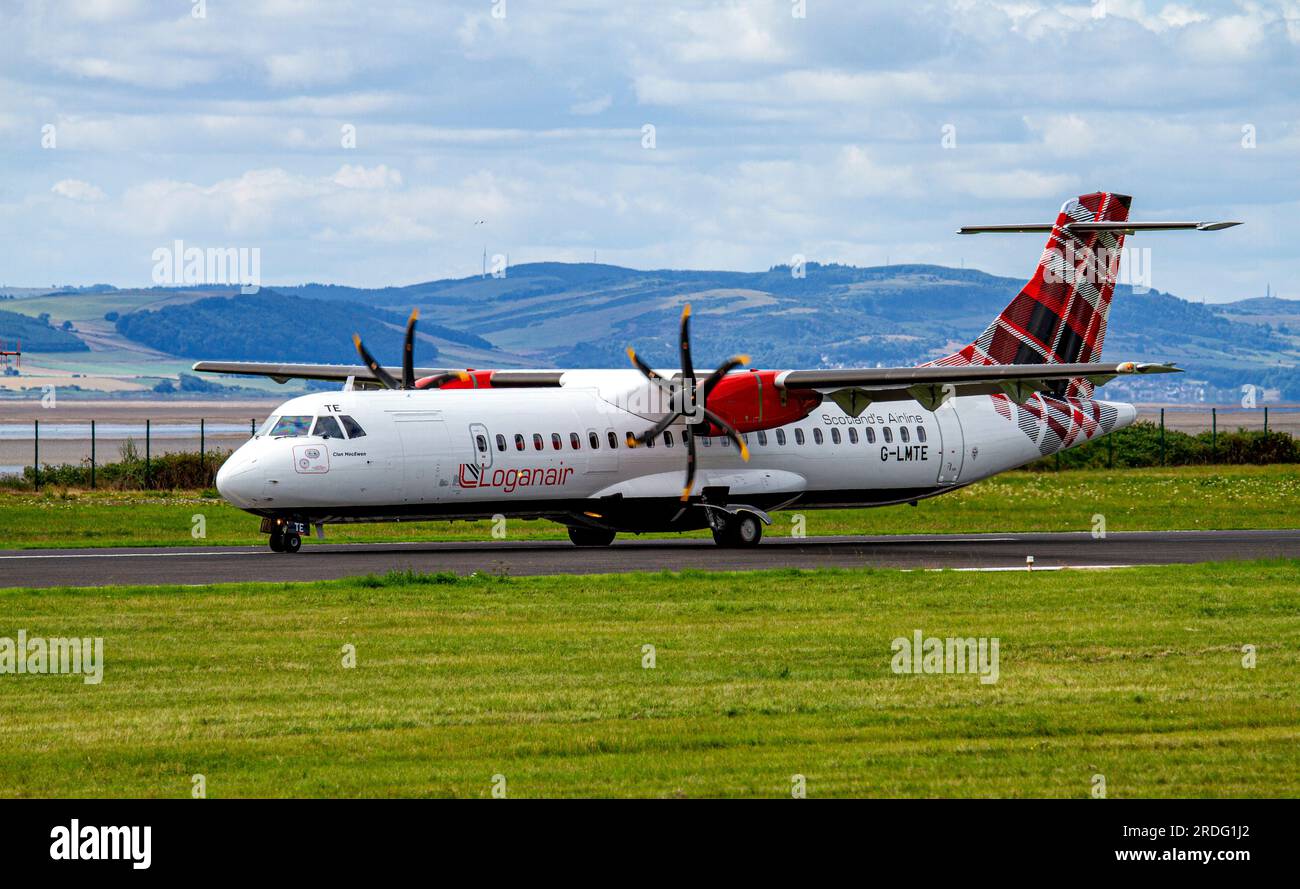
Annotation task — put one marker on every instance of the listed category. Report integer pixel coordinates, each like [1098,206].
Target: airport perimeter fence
[178,454]
[172,454]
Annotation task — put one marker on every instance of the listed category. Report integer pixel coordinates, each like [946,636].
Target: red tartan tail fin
[1060,315]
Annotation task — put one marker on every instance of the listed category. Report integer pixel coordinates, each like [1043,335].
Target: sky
[374,144]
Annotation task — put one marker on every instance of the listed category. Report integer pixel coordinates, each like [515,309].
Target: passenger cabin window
[920,434]
[501,442]
[668,439]
[574,441]
[327,427]
[780,437]
[853,436]
[519,442]
[352,427]
[762,438]
[904,435]
[650,442]
[291,426]
[871,435]
[481,442]
[889,435]
[613,438]
[798,436]
[594,440]
[708,442]
[537,441]
[556,442]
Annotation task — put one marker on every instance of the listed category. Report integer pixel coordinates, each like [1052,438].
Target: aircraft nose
[237,479]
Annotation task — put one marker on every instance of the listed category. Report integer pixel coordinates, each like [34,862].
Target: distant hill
[586,314]
[269,326]
[37,335]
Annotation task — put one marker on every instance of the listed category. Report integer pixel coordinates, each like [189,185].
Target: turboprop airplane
[638,450]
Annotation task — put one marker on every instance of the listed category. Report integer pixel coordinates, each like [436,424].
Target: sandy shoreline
[73,411]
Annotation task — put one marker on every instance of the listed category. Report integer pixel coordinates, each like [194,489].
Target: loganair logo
[508,480]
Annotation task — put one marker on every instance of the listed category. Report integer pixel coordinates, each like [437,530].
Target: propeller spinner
[685,403]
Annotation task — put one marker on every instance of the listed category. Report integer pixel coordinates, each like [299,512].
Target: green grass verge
[1133,674]
[1182,498]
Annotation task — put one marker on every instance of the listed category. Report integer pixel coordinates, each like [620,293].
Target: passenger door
[952,442]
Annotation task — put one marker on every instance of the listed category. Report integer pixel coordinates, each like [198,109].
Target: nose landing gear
[285,536]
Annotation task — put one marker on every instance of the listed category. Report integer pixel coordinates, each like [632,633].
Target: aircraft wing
[855,388]
[361,374]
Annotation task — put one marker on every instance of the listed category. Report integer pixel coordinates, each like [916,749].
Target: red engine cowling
[478,379]
[751,401]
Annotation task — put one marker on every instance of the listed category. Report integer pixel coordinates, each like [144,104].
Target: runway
[991,552]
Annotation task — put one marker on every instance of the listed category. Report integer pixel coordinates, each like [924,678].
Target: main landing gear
[741,529]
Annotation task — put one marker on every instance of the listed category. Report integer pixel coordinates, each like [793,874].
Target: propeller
[685,402]
[408,363]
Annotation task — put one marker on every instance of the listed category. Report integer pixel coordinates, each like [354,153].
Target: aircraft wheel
[741,530]
[276,542]
[591,536]
[292,543]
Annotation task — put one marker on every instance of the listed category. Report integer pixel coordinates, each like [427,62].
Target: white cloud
[76,190]
[309,68]
[592,106]
[378,177]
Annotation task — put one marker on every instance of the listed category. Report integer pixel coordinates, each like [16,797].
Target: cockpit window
[327,427]
[291,426]
[266,426]
[352,426]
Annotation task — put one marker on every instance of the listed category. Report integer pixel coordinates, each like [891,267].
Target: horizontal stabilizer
[1127,227]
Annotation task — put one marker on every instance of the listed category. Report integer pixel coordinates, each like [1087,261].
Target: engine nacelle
[751,401]
[478,379]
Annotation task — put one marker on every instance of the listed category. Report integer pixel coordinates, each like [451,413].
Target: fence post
[1214,434]
[1266,419]
[202,452]
[1162,436]
[36,458]
[146,454]
[92,454]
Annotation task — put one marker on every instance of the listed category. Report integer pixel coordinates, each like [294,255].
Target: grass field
[1182,498]
[1132,674]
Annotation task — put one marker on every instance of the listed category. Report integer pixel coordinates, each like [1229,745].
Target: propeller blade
[714,378]
[634,440]
[688,371]
[382,375]
[690,465]
[730,432]
[645,368]
[408,354]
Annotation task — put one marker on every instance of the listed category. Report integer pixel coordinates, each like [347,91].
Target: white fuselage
[431,454]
